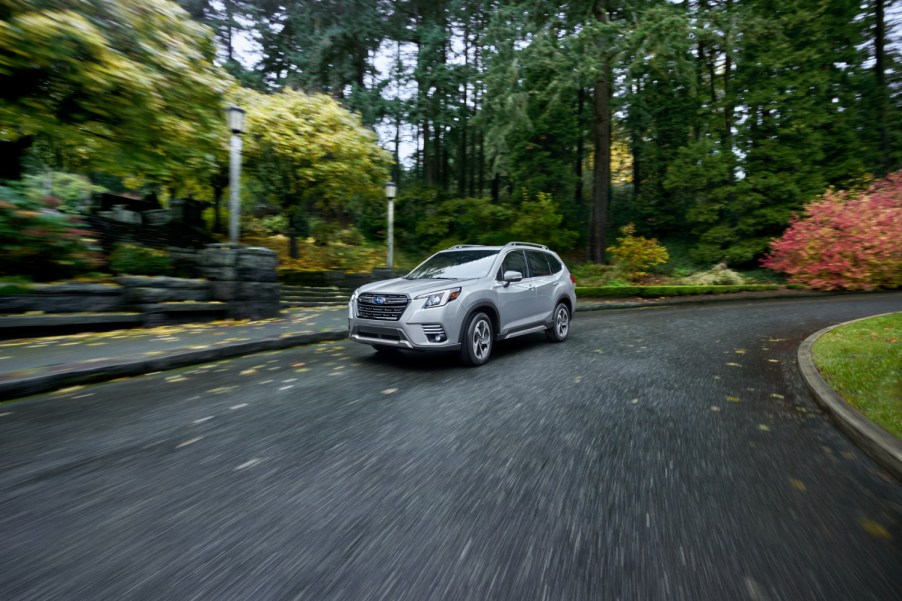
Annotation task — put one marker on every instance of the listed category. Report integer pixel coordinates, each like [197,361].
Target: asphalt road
[662,453]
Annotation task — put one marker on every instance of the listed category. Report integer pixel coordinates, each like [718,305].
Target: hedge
[656,291]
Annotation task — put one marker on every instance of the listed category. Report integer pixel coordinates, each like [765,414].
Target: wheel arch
[484,307]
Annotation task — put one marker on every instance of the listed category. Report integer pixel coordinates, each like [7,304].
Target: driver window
[514,261]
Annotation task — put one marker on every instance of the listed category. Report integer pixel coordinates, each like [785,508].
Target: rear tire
[560,324]
[476,345]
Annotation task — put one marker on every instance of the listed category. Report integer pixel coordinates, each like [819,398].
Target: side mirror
[512,276]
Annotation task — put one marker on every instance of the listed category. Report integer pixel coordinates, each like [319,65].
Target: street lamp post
[236,124]
[391,191]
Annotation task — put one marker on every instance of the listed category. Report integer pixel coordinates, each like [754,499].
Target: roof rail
[464,246]
[530,244]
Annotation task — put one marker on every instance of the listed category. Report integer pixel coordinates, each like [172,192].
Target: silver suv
[465,298]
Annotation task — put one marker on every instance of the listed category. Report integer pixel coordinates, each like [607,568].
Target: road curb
[883,447]
[94,372]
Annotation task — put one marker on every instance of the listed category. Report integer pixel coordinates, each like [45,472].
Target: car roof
[529,245]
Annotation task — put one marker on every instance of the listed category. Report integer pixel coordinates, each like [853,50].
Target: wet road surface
[662,453]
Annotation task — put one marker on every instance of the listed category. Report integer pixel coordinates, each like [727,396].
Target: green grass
[862,361]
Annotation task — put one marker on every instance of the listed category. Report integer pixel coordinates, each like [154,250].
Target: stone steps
[314,296]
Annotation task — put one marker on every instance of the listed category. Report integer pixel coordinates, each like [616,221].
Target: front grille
[386,307]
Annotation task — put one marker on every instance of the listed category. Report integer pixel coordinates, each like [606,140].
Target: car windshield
[455,265]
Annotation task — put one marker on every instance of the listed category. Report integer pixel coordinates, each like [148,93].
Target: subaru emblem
[379,300]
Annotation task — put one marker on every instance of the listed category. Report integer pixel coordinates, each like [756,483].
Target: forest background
[707,123]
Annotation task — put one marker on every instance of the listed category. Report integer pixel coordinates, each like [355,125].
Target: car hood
[412,287]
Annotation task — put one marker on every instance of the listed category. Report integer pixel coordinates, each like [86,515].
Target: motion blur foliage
[128,87]
[131,259]
[38,240]
[72,191]
[845,241]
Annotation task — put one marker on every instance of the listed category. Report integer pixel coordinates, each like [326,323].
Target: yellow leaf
[733,399]
[763,428]
[734,365]
[798,485]
[875,529]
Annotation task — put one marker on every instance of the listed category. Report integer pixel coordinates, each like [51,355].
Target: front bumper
[436,328]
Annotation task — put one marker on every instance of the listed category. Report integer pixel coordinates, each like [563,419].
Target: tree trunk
[293,244]
[580,147]
[882,91]
[601,138]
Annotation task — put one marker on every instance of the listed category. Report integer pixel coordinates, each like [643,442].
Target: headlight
[440,298]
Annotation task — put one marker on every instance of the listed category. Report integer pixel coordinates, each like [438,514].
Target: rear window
[538,263]
[554,264]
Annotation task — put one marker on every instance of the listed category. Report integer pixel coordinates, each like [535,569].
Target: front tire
[560,324]
[476,346]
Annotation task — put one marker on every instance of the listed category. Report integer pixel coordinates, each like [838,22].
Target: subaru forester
[465,298]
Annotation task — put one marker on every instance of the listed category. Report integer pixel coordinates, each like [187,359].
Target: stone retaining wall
[239,282]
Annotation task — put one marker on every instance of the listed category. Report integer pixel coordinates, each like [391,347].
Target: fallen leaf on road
[300,364]
[715,408]
[390,391]
[875,529]
[798,485]
[774,360]
[763,428]
[222,389]
[68,390]
[734,365]
[774,395]
[734,399]
[249,372]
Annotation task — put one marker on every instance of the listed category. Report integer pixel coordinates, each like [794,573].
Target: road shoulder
[883,447]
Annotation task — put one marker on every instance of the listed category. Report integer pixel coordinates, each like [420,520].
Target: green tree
[310,156]
[125,86]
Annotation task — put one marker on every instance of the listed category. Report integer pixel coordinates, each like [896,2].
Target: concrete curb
[883,447]
[54,378]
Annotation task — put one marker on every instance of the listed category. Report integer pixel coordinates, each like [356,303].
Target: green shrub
[540,221]
[596,274]
[274,225]
[635,254]
[719,275]
[72,192]
[132,259]
[12,285]
[37,240]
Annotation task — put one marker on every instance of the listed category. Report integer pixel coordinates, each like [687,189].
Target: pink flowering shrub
[844,241]
[38,241]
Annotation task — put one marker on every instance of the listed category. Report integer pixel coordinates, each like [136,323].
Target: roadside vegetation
[861,362]
[614,135]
